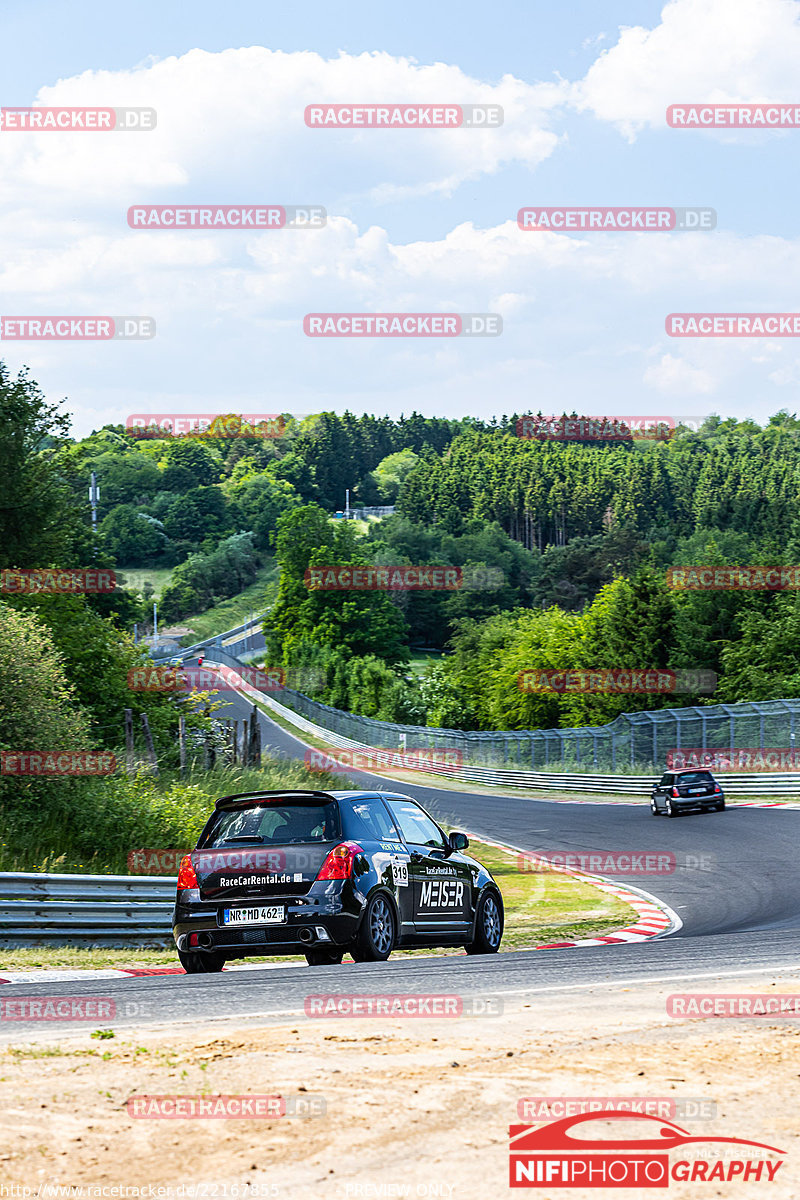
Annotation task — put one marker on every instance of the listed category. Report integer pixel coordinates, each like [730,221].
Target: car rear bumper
[681,802]
[323,924]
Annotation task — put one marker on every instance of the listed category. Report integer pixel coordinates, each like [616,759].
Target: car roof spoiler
[224,801]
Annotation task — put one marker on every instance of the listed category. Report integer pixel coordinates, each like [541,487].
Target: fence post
[129,740]
[151,750]
[254,741]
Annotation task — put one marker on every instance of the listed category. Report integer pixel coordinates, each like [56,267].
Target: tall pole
[94,496]
[155,624]
[347,504]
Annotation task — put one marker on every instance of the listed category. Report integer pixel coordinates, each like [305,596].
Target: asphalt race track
[736,890]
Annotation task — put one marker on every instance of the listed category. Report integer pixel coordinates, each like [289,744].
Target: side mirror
[458,841]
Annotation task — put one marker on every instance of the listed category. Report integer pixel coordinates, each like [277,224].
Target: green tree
[360,622]
[190,464]
[96,659]
[132,537]
[40,518]
[261,499]
[392,472]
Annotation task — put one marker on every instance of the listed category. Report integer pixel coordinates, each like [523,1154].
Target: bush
[93,824]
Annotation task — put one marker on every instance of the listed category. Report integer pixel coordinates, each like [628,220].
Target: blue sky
[417,221]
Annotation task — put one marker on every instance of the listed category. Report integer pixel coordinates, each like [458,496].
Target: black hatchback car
[685,791]
[325,873]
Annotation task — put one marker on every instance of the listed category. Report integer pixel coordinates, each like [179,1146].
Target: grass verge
[230,613]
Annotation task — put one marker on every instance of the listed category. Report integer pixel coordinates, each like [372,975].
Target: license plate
[696,791]
[272,914]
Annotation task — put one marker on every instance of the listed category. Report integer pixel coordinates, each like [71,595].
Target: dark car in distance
[686,790]
[328,873]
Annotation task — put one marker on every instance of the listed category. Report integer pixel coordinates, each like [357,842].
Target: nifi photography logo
[647,1152]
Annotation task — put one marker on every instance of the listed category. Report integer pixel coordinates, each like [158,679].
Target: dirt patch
[416,1104]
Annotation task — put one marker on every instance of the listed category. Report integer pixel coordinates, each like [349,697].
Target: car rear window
[275,825]
[695,777]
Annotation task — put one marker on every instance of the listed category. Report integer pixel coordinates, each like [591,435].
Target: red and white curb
[655,917]
[66,976]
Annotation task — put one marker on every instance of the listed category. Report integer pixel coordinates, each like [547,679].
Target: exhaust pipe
[205,941]
[307,935]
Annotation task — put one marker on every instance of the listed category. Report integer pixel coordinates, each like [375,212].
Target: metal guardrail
[214,639]
[734,784]
[110,910]
[391,736]
[745,783]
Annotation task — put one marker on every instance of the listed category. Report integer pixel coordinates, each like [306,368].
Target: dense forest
[582,536]
[563,548]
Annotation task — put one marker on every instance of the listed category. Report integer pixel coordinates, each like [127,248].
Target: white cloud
[232,123]
[675,377]
[583,315]
[702,50]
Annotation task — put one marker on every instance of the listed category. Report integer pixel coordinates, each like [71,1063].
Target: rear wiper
[244,837]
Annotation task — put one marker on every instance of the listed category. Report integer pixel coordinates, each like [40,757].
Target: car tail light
[186,874]
[339,863]
[675,792]
[717,789]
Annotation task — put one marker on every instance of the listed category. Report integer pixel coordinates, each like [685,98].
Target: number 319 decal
[400,872]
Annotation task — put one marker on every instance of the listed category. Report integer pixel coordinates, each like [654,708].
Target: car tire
[653,808]
[324,958]
[378,931]
[201,964]
[488,925]
[668,809]
[719,806]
